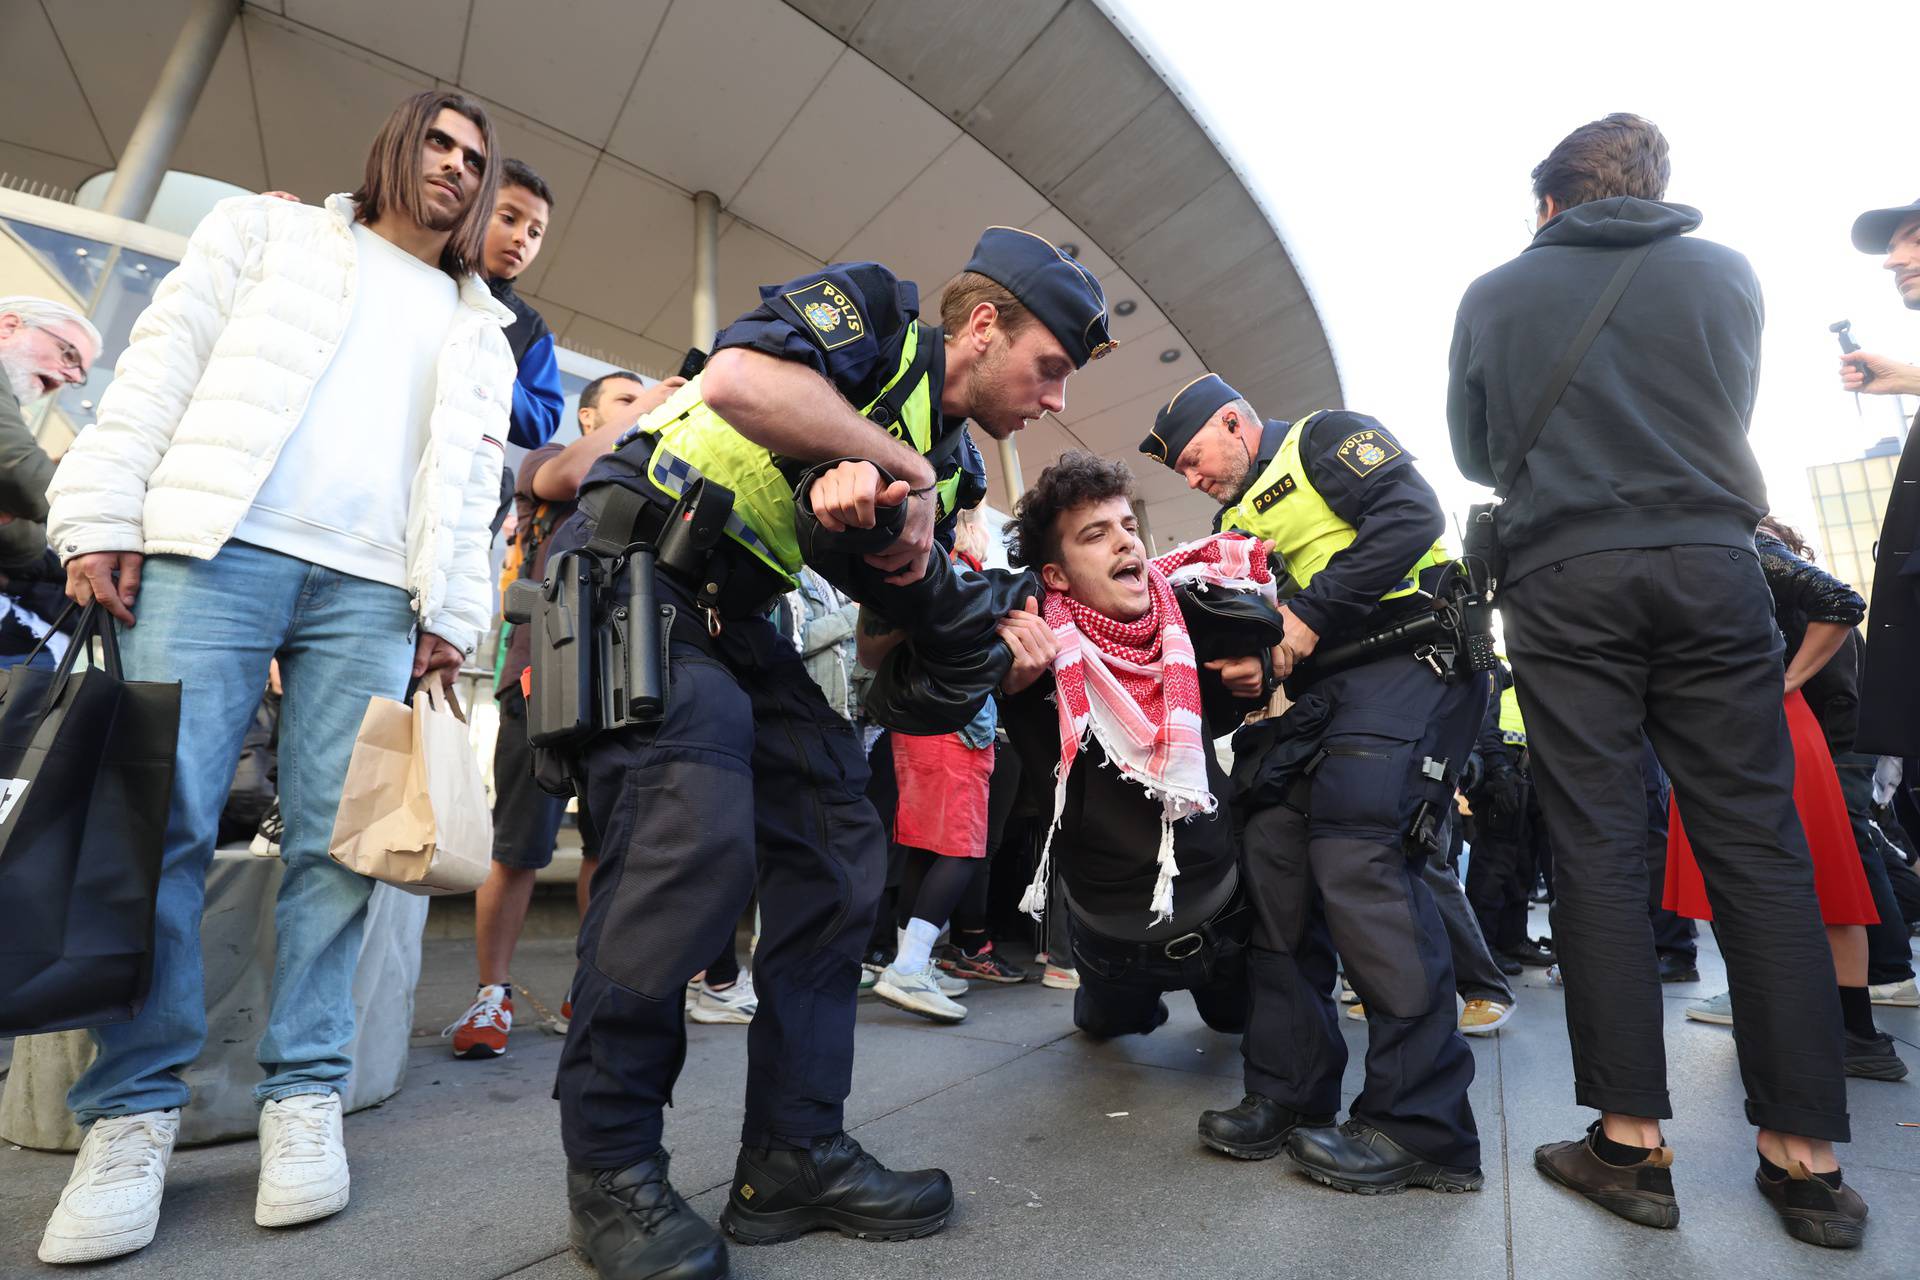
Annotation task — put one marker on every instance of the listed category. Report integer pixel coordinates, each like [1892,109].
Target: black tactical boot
[633,1225]
[1257,1129]
[1358,1157]
[779,1194]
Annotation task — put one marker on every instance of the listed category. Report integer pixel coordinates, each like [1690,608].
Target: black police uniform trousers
[750,779]
[1342,879]
[1683,641]
[1497,874]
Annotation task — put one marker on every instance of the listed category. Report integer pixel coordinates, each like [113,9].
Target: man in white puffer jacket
[298,457]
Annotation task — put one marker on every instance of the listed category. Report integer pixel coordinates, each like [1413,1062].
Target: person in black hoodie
[1633,599]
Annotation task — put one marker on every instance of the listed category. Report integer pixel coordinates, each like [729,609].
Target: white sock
[916,946]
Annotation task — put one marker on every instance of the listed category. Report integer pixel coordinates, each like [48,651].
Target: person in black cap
[1890,688]
[751,777]
[1331,793]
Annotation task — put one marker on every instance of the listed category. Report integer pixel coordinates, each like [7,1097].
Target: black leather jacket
[1804,593]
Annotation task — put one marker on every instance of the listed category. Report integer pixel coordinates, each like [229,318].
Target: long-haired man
[298,458]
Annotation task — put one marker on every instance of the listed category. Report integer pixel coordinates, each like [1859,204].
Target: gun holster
[1427,832]
[598,627]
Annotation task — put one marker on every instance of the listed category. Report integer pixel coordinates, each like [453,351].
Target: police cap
[1181,418]
[1873,230]
[1059,291]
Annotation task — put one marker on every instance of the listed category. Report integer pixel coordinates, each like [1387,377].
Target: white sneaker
[1904,995]
[950,986]
[736,1004]
[303,1161]
[266,840]
[112,1202]
[1060,978]
[918,993]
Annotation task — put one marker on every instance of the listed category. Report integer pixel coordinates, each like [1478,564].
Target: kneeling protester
[1145,845]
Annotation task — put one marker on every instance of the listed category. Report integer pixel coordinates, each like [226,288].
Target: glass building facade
[1850,499]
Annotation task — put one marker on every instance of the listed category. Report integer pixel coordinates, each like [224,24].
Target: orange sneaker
[482,1030]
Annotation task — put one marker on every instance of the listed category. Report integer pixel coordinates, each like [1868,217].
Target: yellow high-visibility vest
[1283,508]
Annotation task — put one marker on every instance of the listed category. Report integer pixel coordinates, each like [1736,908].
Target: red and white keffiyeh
[1134,687]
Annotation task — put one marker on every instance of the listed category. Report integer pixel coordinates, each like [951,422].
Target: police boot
[779,1194]
[1255,1130]
[633,1225]
[1358,1157]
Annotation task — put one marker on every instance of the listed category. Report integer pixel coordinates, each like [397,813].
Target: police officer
[1499,875]
[1332,791]
[751,778]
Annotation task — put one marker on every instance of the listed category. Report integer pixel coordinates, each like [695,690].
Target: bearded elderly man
[1345,797]
[44,346]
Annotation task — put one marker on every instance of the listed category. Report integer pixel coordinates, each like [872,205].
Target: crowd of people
[871,740]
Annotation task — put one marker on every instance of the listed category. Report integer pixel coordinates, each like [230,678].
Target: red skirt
[943,795]
[1838,877]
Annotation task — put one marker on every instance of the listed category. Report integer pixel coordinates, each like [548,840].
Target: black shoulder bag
[1482,537]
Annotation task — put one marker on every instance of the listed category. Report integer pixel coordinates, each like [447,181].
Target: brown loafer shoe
[1641,1193]
[1813,1212]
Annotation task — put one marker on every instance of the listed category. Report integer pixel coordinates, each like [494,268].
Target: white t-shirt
[339,491]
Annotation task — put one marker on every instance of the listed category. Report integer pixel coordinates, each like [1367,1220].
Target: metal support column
[1010,472]
[706,268]
[149,152]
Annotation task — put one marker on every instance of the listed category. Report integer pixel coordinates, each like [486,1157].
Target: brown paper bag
[413,812]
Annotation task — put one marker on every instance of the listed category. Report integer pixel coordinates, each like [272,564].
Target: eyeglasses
[70,359]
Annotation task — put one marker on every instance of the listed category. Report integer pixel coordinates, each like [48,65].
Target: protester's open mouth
[47,385]
[1132,573]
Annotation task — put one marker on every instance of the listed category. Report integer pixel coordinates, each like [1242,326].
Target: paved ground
[1071,1158]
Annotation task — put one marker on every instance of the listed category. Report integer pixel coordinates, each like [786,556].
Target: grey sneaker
[918,993]
[1718,1010]
[1900,995]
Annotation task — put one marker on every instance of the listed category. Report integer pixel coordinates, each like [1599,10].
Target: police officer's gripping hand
[848,496]
[1876,375]
[1034,647]
[1297,643]
[1242,676]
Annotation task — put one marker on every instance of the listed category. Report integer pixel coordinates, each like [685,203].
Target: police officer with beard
[1342,799]
[831,397]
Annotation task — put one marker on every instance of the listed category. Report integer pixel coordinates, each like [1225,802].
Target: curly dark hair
[1780,529]
[1077,478]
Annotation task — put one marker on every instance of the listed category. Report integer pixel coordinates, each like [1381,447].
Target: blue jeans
[214,625]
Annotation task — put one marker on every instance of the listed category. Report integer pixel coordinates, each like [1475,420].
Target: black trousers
[1889,943]
[1500,873]
[1344,878]
[1121,982]
[1476,975]
[1673,934]
[751,779]
[1682,641]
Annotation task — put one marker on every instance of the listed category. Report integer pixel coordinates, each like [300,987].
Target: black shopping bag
[86,777]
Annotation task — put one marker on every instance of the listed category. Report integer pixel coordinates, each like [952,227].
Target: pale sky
[1392,143]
